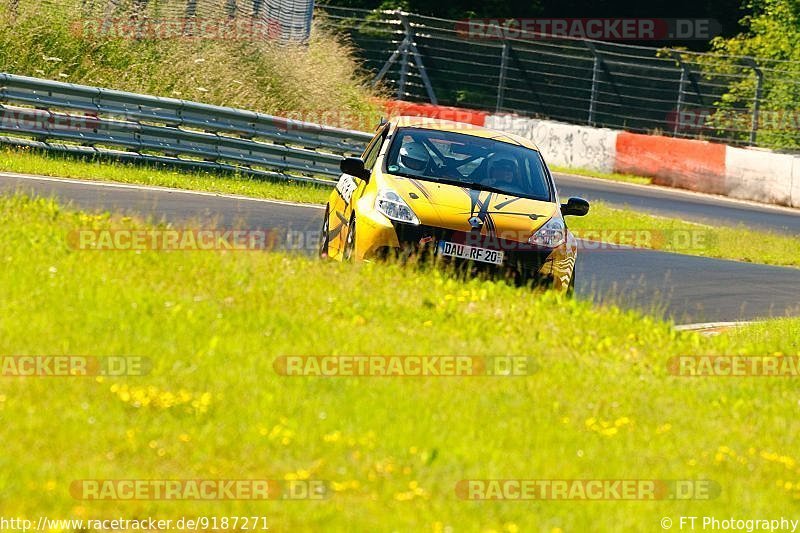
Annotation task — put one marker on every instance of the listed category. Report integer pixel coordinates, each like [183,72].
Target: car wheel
[350,242]
[324,237]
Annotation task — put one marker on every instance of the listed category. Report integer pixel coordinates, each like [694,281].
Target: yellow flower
[623,421]
[332,437]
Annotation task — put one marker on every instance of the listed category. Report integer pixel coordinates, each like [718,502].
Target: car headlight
[551,235]
[394,207]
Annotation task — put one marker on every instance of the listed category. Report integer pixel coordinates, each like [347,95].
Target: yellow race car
[467,195]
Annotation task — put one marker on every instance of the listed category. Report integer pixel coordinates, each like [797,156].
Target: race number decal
[345,186]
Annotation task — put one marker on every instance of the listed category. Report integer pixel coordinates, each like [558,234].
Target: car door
[349,189]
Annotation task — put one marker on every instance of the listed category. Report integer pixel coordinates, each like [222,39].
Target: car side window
[374,148]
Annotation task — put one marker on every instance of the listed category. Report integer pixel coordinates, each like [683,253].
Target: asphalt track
[704,208]
[686,288]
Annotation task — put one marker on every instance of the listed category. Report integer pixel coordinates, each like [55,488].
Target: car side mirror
[575,206]
[354,166]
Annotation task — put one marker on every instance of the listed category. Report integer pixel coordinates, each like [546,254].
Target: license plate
[473,253]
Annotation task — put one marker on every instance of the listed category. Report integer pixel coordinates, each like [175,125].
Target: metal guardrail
[80,119]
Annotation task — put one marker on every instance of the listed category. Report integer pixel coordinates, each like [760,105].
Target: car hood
[462,209]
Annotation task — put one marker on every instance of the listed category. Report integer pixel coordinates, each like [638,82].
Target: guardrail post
[501,82]
[756,99]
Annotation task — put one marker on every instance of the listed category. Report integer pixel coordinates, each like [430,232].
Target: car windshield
[475,162]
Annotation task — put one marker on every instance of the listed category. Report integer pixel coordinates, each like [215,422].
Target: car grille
[522,257]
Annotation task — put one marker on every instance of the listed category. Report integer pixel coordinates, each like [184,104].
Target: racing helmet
[414,156]
[502,162]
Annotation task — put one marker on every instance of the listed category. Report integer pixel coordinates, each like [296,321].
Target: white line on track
[711,327]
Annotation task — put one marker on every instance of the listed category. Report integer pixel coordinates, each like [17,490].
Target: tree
[771,37]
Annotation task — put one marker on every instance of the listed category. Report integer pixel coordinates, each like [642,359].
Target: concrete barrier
[683,163]
[759,175]
[565,145]
[796,182]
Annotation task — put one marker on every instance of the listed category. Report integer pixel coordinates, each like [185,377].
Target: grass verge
[613,176]
[27,161]
[600,406]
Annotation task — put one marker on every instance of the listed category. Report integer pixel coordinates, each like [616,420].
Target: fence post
[593,96]
[679,106]
[595,80]
[401,85]
[411,46]
[751,62]
[501,83]
[230,9]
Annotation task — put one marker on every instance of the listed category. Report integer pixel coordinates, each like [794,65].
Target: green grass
[212,324]
[614,176]
[26,161]
[662,233]
[320,82]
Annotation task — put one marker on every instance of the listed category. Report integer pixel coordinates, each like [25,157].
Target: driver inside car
[414,158]
[502,172]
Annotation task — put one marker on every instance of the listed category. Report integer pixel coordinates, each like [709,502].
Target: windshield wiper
[489,188]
